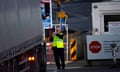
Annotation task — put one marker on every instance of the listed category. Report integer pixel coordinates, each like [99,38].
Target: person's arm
[51,39]
[60,35]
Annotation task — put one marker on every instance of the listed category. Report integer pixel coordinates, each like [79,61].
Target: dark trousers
[59,57]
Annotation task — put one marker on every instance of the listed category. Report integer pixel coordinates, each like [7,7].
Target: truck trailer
[22,48]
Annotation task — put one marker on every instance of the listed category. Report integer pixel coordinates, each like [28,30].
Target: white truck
[21,36]
[104,43]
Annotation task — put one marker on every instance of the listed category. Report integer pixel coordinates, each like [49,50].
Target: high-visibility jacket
[55,39]
[60,42]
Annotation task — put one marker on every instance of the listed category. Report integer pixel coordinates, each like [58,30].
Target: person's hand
[53,34]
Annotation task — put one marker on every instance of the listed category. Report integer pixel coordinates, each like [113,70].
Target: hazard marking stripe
[73,49]
[73,44]
[73,54]
[74,58]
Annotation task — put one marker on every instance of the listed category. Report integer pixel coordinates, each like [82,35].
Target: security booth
[104,43]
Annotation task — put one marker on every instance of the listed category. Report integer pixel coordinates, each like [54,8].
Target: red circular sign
[95,47]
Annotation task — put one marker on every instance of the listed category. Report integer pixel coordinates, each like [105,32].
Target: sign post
[114,49]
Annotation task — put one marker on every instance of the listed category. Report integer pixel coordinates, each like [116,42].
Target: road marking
[66,62]
[78,67]
[66,68]
[73,67]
